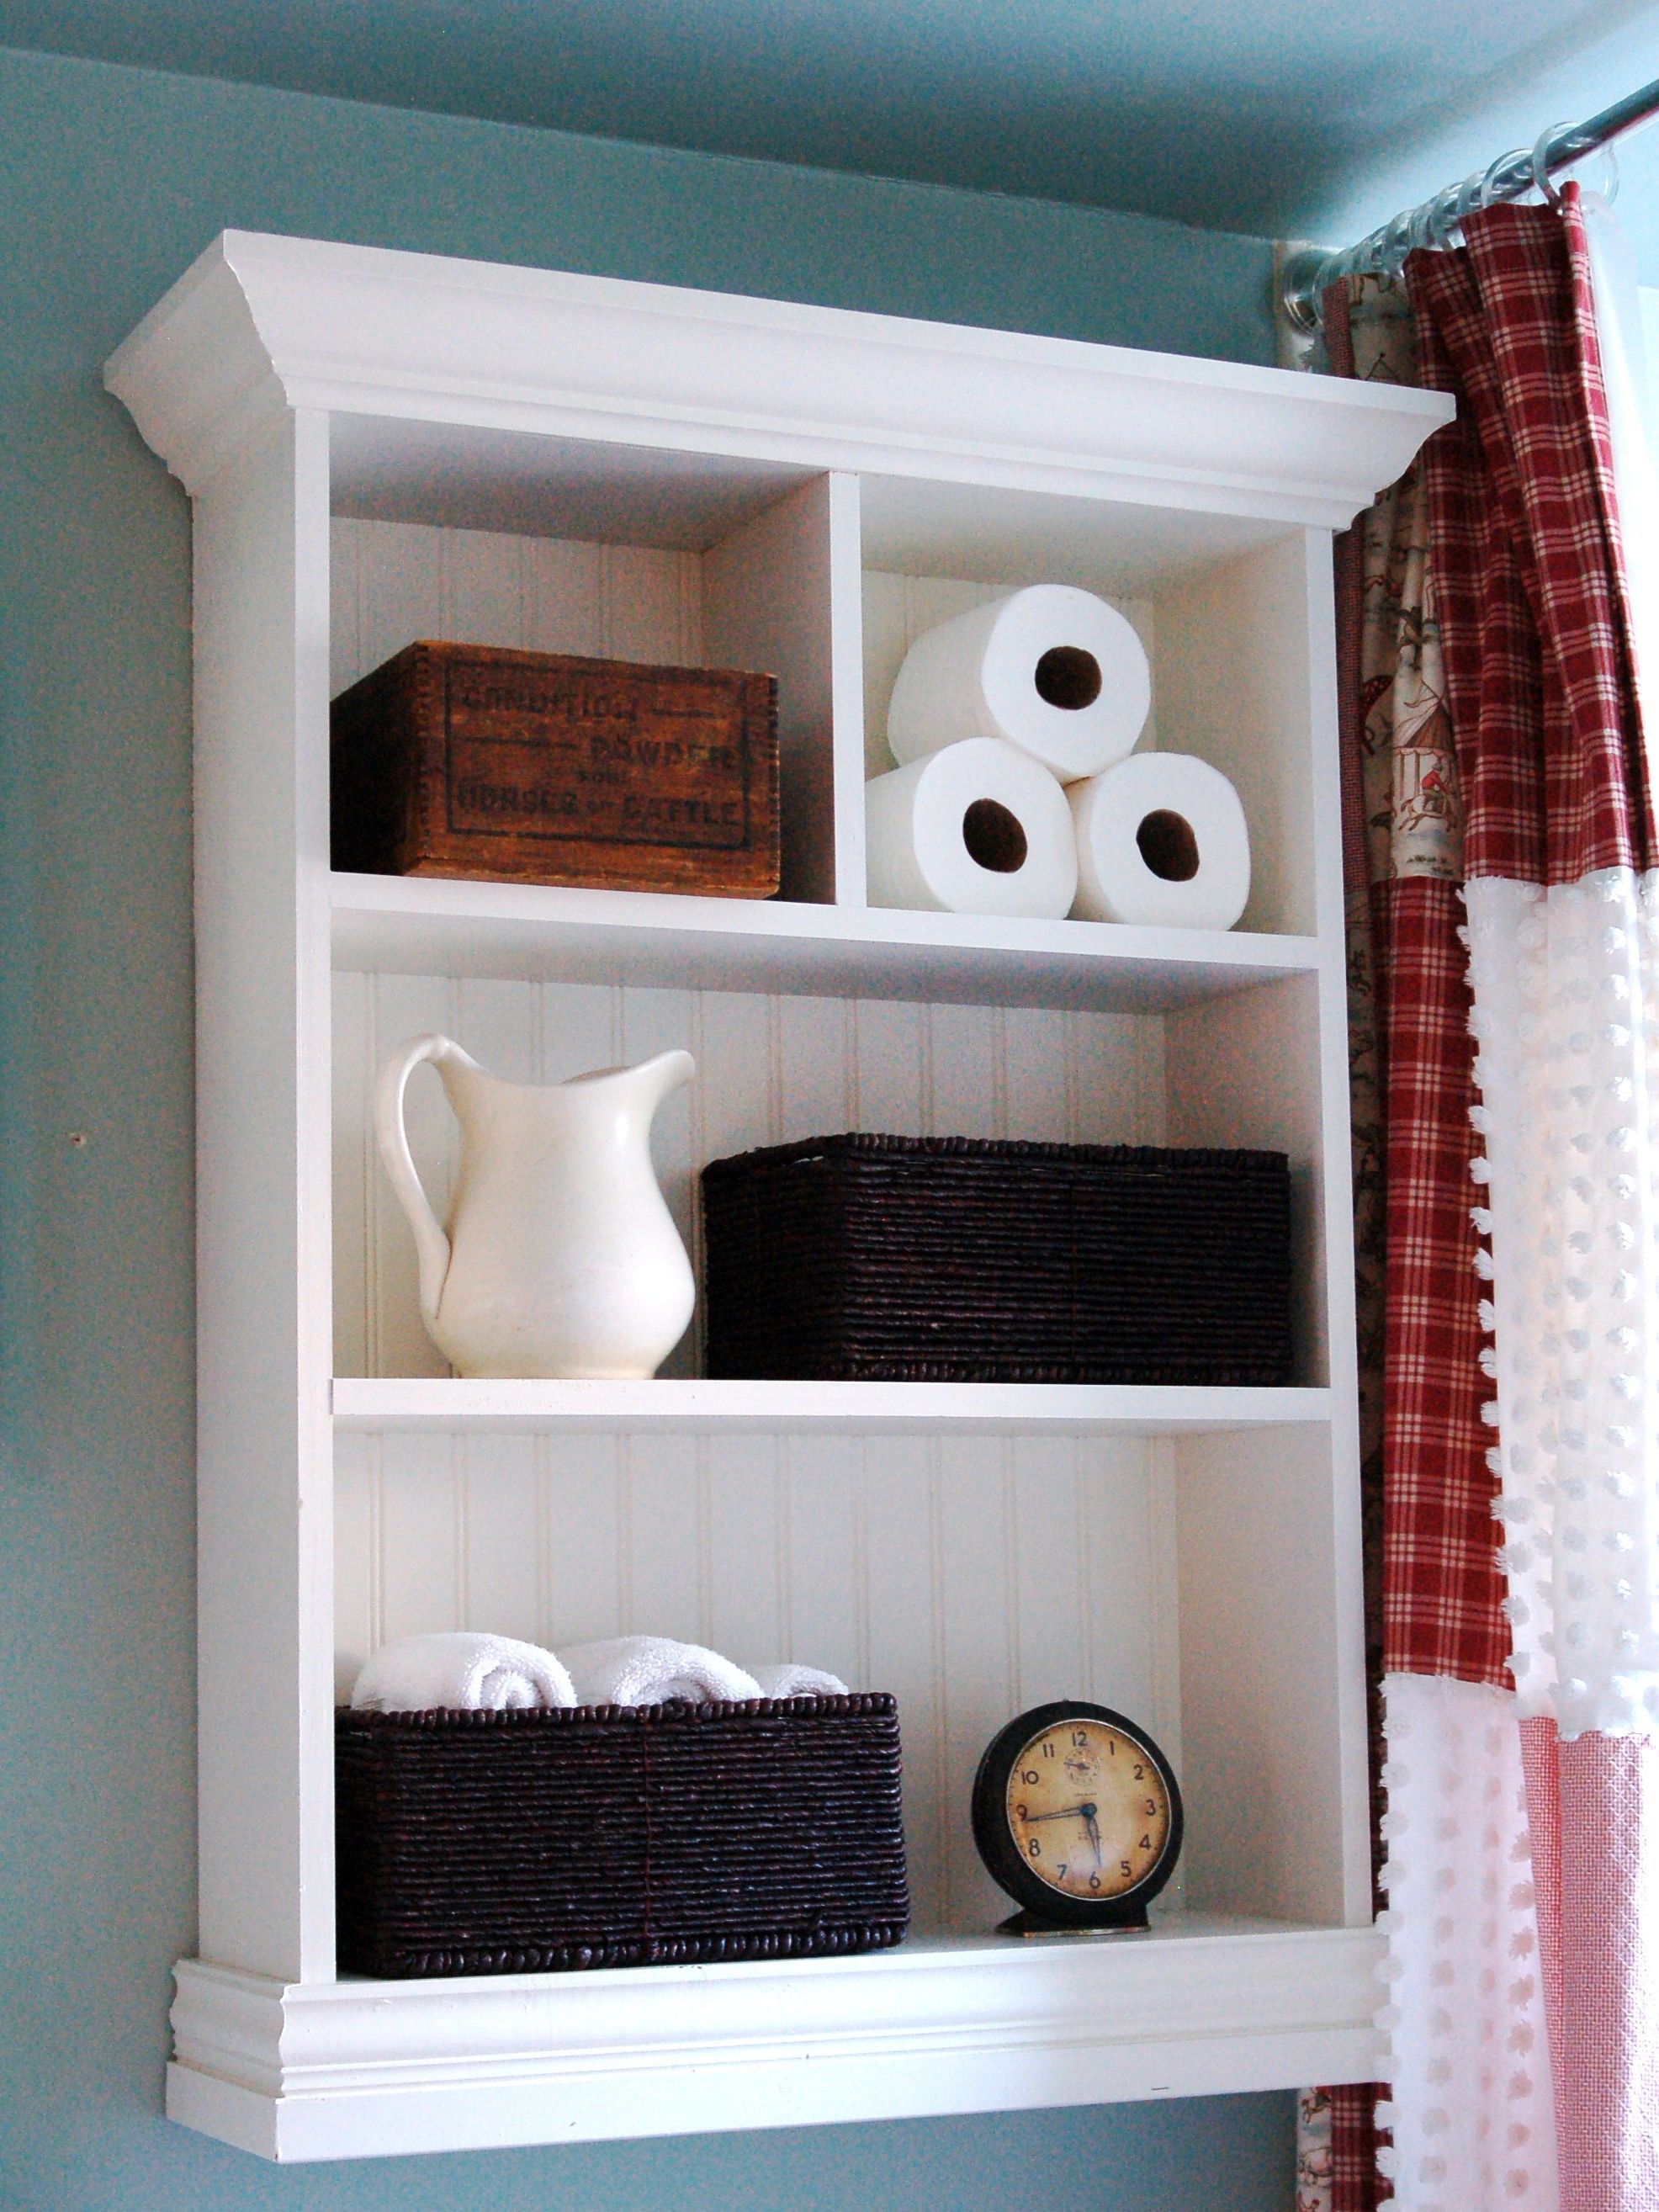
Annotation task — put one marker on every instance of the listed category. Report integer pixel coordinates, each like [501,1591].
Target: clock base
[1031,1923]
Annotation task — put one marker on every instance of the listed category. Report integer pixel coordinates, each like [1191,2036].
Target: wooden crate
[548,768]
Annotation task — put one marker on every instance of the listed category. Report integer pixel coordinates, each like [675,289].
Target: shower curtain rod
[1308,272]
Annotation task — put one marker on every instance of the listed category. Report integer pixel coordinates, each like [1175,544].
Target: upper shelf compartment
[615,553]
[794,461]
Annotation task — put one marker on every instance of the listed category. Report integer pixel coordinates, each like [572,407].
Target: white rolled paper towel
[1052,670]
[1161,838]
[977,827]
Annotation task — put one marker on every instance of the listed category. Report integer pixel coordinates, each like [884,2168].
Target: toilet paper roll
[977,827]
[1052,670]
[1161,838]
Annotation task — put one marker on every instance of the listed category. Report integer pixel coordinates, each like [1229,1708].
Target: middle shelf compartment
[1243,1070]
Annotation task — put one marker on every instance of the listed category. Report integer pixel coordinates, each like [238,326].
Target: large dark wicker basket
[951,1259]
[617,1836]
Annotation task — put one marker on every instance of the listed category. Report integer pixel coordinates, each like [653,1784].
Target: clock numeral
[1028,1775]
[1035,1848]
[1124,1865]
[1152,1804]
[1022,1813]
[1140,1774]
[1048,1751]
[1146,1843]
[1094,1881]
[1059,1871]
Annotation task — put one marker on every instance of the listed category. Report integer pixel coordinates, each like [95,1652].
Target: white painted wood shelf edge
[1202,2005]
[405,1402]
[428,926]
[260,323]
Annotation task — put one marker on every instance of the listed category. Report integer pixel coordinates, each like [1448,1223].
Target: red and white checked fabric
[1526,558]
[1441,1588]
[1527,580]
[1526,585]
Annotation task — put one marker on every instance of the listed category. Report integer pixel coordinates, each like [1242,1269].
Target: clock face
[1087,1808]
[1078,1815]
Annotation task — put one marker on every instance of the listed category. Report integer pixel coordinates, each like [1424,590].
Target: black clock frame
[1005,1862]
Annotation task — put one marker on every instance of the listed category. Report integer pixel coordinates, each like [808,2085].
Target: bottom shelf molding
[1199,2005]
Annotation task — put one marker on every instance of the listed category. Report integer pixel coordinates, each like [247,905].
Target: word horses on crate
[548,768]
[958,1259]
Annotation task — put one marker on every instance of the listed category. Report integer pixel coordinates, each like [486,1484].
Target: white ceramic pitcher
[559,1256]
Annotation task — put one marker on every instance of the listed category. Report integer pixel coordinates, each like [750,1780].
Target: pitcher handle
[431,1244]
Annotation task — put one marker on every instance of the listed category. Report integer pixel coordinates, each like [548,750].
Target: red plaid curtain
[1533,598]
[1526,591]
[1526,554]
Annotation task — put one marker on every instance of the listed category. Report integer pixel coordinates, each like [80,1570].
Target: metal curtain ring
[1485,197]
[1540,171]
[1396,243]
[1468,198]
[1445,213]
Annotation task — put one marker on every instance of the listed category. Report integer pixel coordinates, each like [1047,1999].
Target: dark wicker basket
[618,1835]
[951,1259]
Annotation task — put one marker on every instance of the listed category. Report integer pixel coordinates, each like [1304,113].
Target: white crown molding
[357,2069]
[259,323]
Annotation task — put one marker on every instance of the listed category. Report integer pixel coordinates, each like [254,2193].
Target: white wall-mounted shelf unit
[380,447]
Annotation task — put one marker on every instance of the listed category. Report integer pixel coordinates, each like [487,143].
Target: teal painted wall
[110,181]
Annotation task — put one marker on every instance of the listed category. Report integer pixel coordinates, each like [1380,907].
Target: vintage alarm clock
[1076,1815]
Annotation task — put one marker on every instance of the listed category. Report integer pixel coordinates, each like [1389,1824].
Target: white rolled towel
[789,1680]
[645,1670]
[461,1672]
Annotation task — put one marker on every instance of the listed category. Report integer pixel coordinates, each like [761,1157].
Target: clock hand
[1068,1813]
[1093,1832]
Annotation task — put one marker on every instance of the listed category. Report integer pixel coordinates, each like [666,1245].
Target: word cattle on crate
[474,761]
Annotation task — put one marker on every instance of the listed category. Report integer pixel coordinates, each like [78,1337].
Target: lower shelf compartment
[1199,2005]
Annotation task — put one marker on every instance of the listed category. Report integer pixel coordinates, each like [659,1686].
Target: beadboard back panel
[392,582]
[761,598]
[970,1576]
[770,1070]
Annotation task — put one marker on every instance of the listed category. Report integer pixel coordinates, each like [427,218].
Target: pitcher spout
[652,1080]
